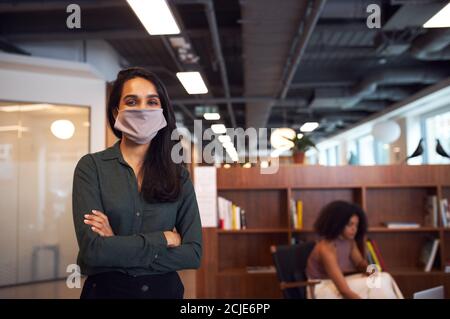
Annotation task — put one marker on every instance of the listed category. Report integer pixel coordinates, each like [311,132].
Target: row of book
[374,256]
[230,215]
[429,256]
[433,206]
[296,213]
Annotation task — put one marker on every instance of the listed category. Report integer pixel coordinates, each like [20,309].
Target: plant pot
[299,157]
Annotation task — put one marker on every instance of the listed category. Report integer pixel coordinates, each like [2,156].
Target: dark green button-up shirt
[104,181]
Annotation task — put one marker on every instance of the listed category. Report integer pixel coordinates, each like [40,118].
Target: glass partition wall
[40,144]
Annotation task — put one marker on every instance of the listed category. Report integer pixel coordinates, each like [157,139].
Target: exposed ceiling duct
[367,87]
[390,93]
[369,84]
[211,18]
[266,63]
[432,46]
[293,102]
[348,9]
[268,30]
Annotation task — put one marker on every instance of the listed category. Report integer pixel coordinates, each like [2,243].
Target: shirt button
[144,288]
[156,256]
[138,214]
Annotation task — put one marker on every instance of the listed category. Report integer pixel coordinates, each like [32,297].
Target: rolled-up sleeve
[188,224]
[117,251]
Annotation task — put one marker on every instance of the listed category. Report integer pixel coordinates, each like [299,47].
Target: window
[436,126]
[332,156]
[366,150]
[323,160]
[353,154]
[382,153]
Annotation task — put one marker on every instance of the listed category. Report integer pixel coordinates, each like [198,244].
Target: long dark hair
[335,216]
[161,176]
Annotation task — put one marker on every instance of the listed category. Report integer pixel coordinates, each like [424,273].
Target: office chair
[290,263]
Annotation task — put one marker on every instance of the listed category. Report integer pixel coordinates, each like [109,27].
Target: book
[243,219]
[369,257]
[230,215]
[296,214]
[261,269]
[431,206]
[299,224]
[402,225]
[374,256]
[445,213]
[293,213]
[378,254]
[235,217]
[428,254]
[221,208]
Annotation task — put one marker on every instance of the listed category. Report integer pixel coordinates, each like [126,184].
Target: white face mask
[140,125]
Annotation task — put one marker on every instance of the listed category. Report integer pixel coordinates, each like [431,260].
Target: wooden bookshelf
[387,193]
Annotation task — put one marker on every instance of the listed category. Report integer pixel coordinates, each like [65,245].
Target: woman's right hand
[173,238]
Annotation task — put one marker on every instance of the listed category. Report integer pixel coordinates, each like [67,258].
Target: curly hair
[335,216]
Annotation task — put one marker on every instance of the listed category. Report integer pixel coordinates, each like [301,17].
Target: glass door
[40,144]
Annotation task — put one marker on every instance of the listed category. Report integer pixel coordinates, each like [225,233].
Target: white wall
[98,53]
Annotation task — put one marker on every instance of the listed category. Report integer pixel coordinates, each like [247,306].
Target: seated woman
[337,258]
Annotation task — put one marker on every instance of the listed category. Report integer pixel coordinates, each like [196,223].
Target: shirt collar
[113,152]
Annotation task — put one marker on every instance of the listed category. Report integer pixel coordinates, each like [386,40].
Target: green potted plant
[301,145]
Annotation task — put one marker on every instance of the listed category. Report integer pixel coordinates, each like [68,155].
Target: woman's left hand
[99,223]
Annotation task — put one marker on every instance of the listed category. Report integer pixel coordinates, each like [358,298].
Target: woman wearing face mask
[337,258]
[135,211]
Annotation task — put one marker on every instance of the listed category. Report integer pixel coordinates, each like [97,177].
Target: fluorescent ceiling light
[192,82]
[155,16]
[309,126]
[247,165]
[226,166]
[224,139]
[218,128]
[440,19]
[264,164]
[211,116]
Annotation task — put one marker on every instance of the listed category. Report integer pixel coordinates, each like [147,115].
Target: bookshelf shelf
[252,231]
[386,193]
[244,272]
[399,230]
[413,272]
[306,230]
[386,230]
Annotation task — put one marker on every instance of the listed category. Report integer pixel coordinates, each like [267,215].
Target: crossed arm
[159,251]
